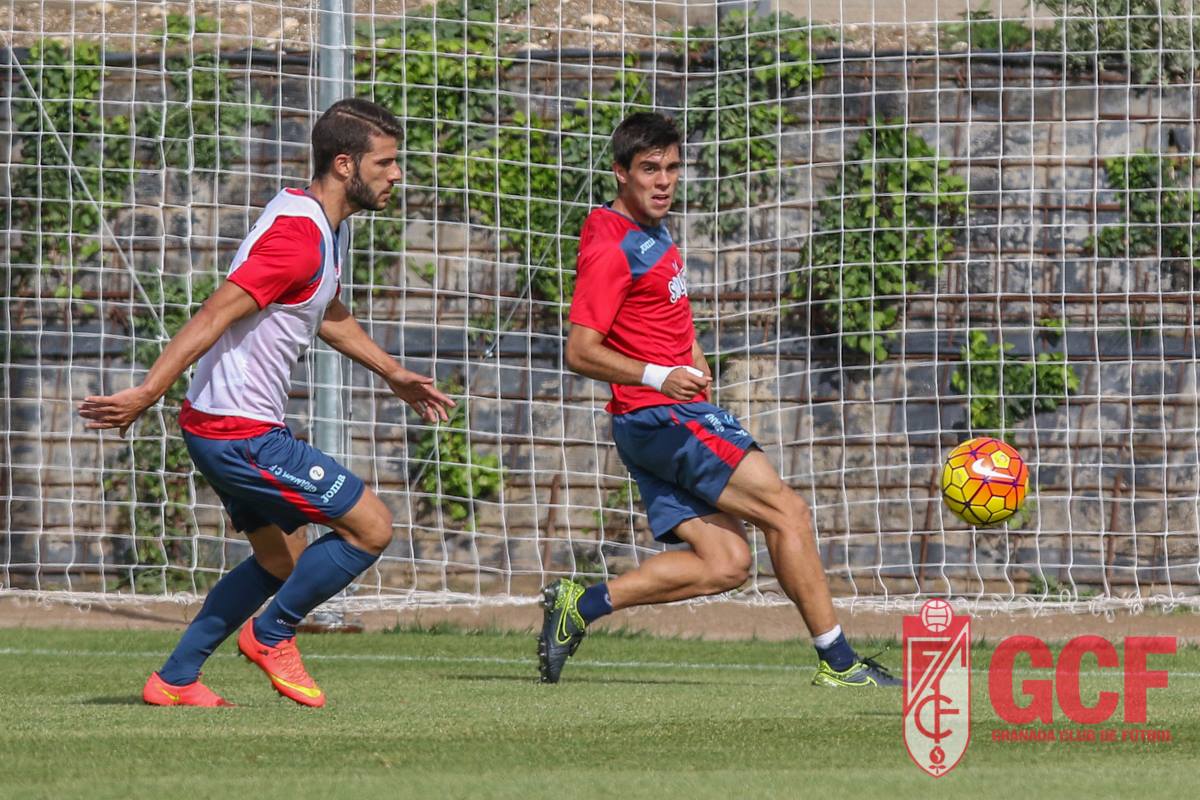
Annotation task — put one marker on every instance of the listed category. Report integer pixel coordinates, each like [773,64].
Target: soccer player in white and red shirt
[281,291]
[700,474]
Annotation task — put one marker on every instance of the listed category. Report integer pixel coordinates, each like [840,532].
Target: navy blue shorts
[275,478]
[681,456]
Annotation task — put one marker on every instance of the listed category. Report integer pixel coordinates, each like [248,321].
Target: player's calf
[327,566]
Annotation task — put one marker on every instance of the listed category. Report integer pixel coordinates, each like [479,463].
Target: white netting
[904,224]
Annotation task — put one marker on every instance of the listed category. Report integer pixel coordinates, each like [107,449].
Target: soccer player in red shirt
[282,290]
[699,472]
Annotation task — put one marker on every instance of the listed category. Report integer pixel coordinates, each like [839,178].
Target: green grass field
[452,715]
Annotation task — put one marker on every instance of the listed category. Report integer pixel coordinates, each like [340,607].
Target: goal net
[905,224]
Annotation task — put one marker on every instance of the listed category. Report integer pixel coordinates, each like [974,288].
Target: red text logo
[1032,699]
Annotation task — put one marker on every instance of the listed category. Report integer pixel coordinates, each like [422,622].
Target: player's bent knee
[733,576]
[378,535]
[789,515]
[801,505]
[801,514]
[731,571]
[788,535]
[373,538]
[368,526]
[383,517]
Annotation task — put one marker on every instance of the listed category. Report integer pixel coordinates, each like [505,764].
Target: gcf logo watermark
[937,687]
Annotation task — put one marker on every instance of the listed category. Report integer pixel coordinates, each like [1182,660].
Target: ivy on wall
[739,77]
[74,166]
[1160,213]
[1003,391]
[451,471]
[888,221]
[1149,41]
[489,157]
[484,153]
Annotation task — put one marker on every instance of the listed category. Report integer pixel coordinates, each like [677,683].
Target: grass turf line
[446,715]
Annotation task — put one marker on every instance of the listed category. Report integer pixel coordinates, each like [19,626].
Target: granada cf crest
[937,687]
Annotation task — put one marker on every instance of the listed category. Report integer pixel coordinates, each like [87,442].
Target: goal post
[904,225]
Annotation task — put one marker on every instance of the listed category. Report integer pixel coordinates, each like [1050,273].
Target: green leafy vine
[155,468]
[1151,41]
[1004,391]
[739,74]
[72,164]
[892,216]
[983,32]
[74,169]
[1160,214]
[451,471]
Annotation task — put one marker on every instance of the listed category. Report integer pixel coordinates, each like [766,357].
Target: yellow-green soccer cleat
[864,672]
[562,629]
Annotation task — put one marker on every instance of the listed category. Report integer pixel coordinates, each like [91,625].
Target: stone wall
[1115,486]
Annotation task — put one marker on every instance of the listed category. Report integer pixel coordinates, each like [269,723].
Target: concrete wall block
[926,104]
[1118,138]
[829,146]
[795,146]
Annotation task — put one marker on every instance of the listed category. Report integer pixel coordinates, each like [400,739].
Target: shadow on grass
[114,700]
[445,628]
[582,679]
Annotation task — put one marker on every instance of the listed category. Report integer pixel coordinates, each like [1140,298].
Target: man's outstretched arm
[589,356]
[342,332]
[227,305]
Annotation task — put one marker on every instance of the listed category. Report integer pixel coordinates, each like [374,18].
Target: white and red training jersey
[290,263]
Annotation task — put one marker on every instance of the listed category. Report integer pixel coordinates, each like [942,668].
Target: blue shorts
[681,456]
[275,478]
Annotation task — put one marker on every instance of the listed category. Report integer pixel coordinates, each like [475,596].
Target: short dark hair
[640,132]
[347,127]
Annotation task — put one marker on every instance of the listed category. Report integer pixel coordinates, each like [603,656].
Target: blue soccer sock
[595,603]
[326,567]
[833,649]
[230,602]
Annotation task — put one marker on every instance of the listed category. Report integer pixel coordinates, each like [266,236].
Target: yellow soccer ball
[984,481]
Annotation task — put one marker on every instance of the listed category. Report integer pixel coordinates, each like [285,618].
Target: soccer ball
[984,481]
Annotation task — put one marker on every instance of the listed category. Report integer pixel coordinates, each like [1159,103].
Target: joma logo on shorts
[719,425]
[337,487]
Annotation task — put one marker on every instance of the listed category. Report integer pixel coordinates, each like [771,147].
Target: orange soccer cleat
[283,666]
[158,692]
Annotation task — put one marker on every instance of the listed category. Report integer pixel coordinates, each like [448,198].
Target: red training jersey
[631,286]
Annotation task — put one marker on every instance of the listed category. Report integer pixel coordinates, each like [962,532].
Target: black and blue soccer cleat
[864,672]
[562,628]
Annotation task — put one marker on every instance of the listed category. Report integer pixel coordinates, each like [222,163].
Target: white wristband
[654,375]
